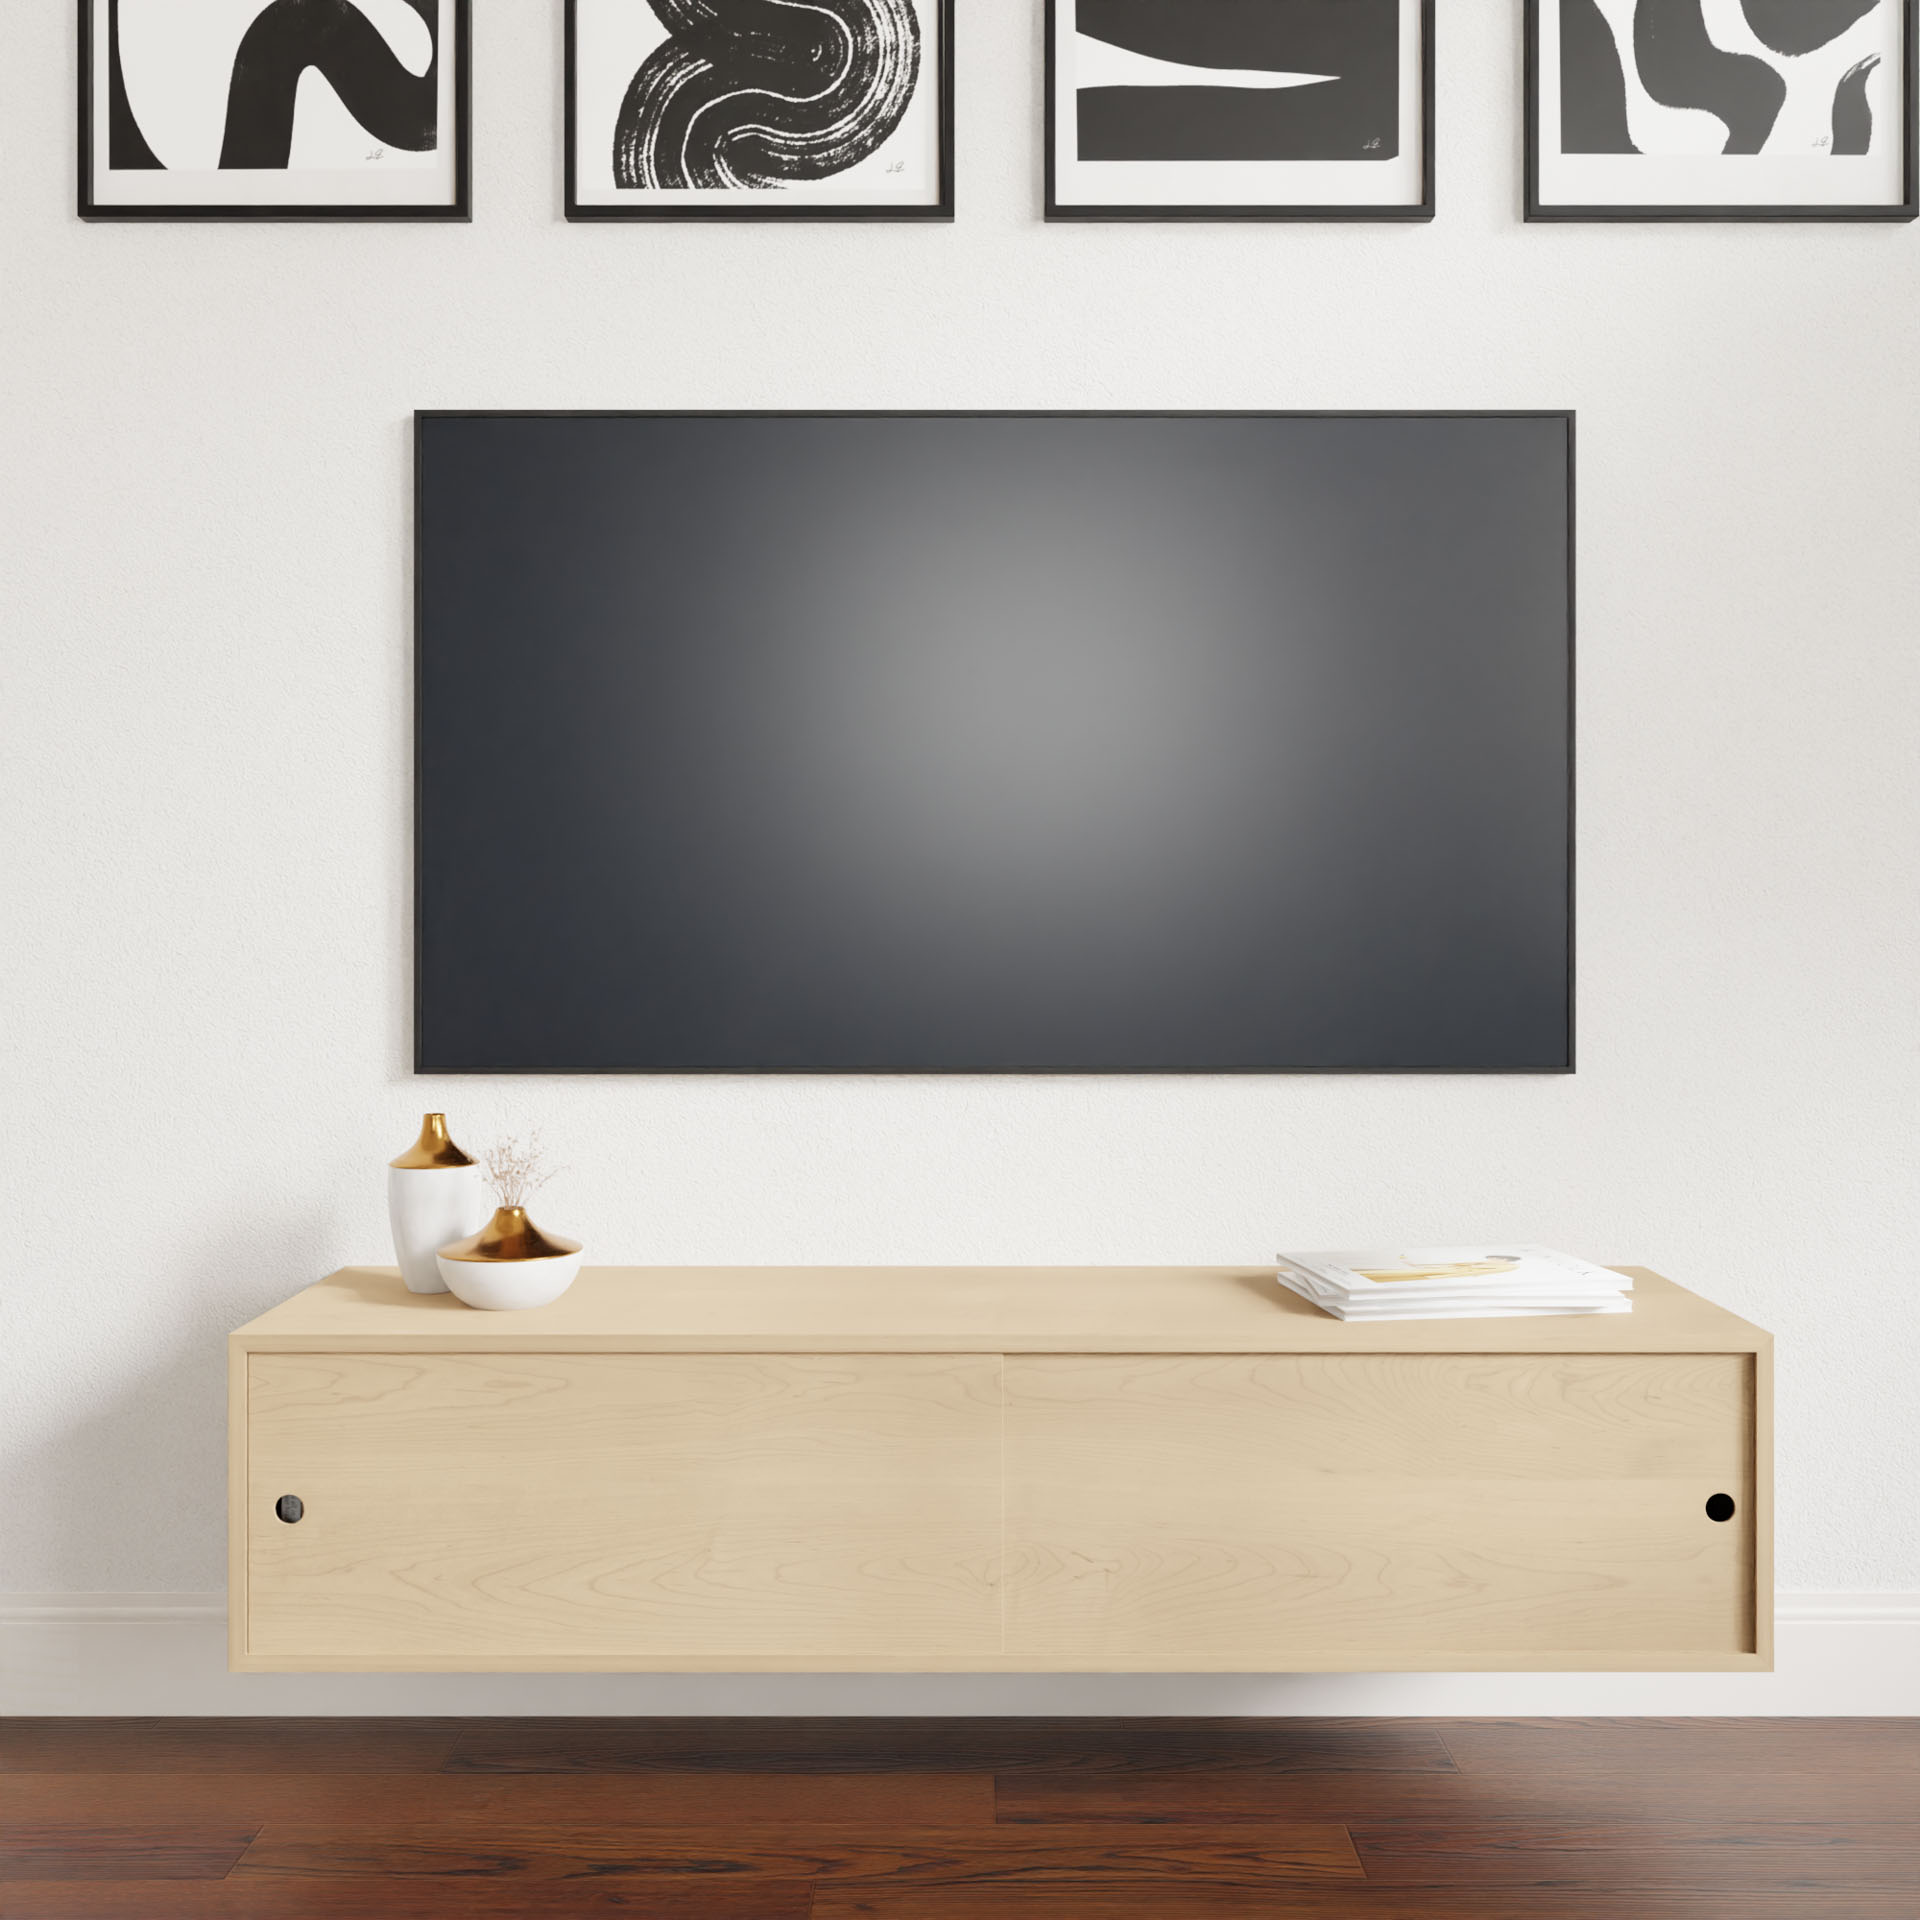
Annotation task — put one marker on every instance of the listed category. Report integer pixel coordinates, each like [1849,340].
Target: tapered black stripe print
[1593,88]
[763,93]
[1334,121]
[1352,115]
[397,108]
[127,149]
[1681,67]
[1852,116]
[1799,26]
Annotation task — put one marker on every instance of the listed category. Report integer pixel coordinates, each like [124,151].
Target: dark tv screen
[993,743]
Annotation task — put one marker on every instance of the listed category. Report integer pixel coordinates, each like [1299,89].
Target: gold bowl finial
[509,1236]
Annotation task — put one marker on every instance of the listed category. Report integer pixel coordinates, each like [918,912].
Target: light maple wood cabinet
[993,1469]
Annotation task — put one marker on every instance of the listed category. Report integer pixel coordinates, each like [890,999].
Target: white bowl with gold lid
[509,1264]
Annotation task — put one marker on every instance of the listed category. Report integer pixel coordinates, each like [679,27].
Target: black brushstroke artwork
[1593,88]
[127,149]
[1354,116]
[1794,27]
[397,108]
[1852,116]
[1680,66]
[764,93]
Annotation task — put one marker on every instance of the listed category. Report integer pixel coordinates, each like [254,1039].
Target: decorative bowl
[509,1264]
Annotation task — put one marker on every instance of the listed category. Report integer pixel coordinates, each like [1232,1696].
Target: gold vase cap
[509,1235]
[434,1148]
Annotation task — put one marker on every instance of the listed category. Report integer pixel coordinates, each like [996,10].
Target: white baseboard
[165,1653]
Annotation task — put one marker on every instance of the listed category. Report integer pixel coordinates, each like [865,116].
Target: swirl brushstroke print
[765,93]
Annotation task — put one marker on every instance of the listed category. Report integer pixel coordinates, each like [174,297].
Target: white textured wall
[203,576]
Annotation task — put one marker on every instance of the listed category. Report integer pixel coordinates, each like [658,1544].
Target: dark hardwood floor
[960,1819]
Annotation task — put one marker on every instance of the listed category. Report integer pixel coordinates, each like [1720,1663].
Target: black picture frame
[1907,208]
[1422,210]
[460,208]
[757,205]
[423,1064]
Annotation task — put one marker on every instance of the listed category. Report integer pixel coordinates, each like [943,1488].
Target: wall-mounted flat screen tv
[994,743]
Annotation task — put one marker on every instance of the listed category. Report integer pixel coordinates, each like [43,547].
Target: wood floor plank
[346,1898]
[1361,1902]
[226,1746]
[953,1745]
[1008,1855]
[1863,1749]
[1230,1795]
[1611,1858]
[961,1820]
[877,1803]
[116,1849]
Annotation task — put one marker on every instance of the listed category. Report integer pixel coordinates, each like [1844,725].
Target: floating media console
[991,1470]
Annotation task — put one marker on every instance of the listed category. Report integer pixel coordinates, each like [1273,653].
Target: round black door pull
[290,1507]
[1719,1506]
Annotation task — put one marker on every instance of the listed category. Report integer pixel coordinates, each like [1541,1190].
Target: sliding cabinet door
[1380,1511]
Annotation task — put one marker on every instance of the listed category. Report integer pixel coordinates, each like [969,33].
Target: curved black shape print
[1799,26]
[1353,116]
[127,149]
[397,108]
[1593,89]
[1681,67]
[1852,116]
[761,93]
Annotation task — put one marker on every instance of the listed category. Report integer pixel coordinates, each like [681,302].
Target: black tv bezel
[421,418]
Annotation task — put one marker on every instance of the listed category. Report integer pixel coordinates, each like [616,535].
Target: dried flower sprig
[515,1169]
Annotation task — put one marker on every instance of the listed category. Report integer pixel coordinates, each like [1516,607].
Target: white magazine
[1454,1283]
[1512,1271]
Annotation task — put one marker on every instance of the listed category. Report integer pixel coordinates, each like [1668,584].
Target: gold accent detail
[433,1148]
[1447,1270]
[509,1235]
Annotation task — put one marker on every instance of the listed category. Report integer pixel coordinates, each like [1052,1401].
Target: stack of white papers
[1454,1283]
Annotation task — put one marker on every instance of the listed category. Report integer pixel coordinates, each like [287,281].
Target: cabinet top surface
[950,1310]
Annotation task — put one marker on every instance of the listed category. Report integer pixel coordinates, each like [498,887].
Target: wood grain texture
[264,1897]
[948,1310]
[798,1469]
[1282,1853]
[1577,1752]
[228,1746]
[1502,1852]
[1541,1820]
[1203,1902]
[1661,1796]
[822,1802]
[486,1509]
[120,1849]
[1380,1511]
[239,1427]
[1759,1516]
[1091,1750]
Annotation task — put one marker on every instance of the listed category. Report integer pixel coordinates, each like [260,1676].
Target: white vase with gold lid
[433,1197]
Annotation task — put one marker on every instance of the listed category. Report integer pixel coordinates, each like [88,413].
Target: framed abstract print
[1721,110]
[759,110]
[1239,110]
[274,110]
